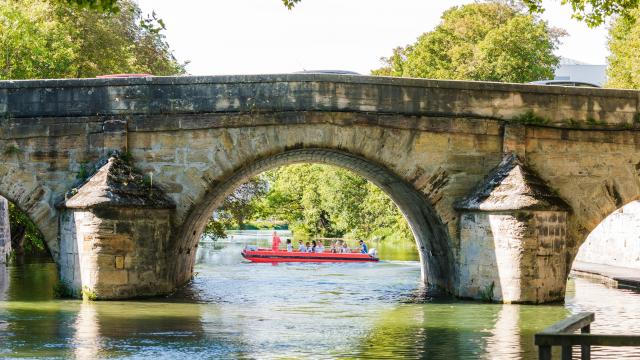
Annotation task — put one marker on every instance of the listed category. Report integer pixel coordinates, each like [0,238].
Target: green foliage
[624,45]
[88,294]
[491,41]
[62,290]
[49,39]
[486,294]
[215,229]
[21,225]
[592,12]
[12,149]
[99,5]
[240,206]
[529,117]
[126,157]
[322,200]
[83,173]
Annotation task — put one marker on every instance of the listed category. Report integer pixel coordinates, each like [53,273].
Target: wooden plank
[586,339]
[570,324]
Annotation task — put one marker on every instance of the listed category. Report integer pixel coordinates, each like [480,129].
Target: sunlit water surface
[234,309]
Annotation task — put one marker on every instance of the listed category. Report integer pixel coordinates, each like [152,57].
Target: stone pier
[114,236]
[513,238]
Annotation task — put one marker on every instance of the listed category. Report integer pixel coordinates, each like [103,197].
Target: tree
[592,12]
[322,200]
[41,39]
[50,39]
[490,41]
[238,207]
[241,204]
[624,45]
[25,236]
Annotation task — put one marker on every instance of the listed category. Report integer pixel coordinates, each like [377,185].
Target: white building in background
[573,70]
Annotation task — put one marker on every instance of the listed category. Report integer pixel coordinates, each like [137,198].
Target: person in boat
[308,247]
[301,247]
[363,248]
[275,241]
[314,245]
[320,247]
[334,247]
[344,249]
[289,246]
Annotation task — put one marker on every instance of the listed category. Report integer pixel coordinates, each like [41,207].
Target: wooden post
[544,352]
[585,350]
[567,352]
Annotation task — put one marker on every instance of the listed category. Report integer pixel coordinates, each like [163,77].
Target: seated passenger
[310,247]
[289,246]
[345,248]
[334,247]
[301,247]
[320,247]
[363,248]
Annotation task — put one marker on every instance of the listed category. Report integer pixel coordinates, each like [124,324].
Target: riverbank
[614,276]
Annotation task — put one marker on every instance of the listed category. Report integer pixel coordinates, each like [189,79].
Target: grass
[529,117]
[88,294]
[12,149]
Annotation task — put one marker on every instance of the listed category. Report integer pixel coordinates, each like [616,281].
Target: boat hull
[270,256]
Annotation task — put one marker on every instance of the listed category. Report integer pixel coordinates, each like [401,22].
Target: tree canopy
[316,200]
[490,41]
[43,39]
[51,39]
[624,44]
[592,12]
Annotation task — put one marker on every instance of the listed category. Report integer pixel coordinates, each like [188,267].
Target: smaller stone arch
[24,190]
[438,266]
[615,241]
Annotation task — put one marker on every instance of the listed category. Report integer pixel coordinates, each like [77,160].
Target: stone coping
[326,78]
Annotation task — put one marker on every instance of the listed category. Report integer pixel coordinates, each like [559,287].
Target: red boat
[270,256]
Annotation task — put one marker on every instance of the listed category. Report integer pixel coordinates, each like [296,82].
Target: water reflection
[234,309]
[87,338]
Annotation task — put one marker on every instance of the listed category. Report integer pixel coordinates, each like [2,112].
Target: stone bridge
[500,183]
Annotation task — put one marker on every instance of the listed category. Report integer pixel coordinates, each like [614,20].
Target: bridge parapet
[541,105]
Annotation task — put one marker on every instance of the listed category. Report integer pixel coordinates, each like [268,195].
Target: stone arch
[614,240]
[23,189]
[430,233]
[607,198]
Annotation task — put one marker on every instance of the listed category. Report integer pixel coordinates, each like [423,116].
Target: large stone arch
[432,237]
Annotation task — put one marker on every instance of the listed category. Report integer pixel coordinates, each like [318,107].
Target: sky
[262,36]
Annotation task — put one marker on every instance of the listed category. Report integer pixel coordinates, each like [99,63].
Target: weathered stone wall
[116,253]
[513,257]
[616,240]
[5,231]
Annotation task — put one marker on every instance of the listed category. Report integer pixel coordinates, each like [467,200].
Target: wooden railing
[562,334]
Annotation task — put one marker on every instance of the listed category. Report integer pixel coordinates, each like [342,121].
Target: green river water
[238,310]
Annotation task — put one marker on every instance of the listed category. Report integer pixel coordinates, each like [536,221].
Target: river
[234,309]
